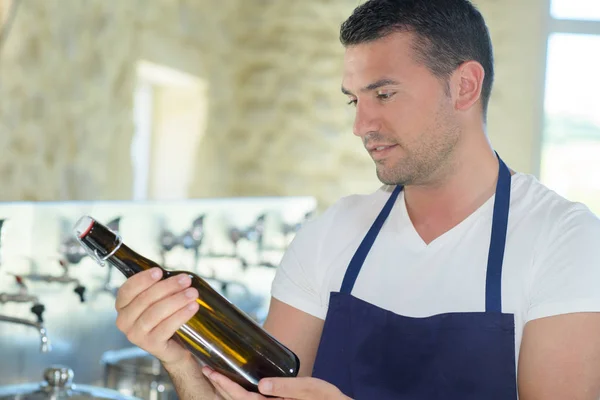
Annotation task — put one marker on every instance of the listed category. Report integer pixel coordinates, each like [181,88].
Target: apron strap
[361,253]
[493,282]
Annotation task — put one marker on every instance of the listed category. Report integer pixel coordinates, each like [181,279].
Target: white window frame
[555,25]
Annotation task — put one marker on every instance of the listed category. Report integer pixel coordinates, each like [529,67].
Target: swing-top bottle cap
[83,226]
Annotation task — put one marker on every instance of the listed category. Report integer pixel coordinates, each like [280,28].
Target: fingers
[136,285]
[160,320]
[129,314]
[160,341]
[151,310]
[300,388]
[228,389]
[164,331]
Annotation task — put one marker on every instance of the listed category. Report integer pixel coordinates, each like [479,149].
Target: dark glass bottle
[219,334]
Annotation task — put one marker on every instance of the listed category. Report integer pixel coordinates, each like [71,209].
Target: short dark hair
[449,32]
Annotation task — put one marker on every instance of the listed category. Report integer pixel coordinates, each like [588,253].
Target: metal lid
[58,386]
[134,361]
[58,376]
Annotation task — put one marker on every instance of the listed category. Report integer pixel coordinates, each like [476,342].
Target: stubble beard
[426,161]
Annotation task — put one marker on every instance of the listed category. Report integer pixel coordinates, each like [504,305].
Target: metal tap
[65,278]
[253,233]
[44,341]
[167,242]
[23,297]
[49,278]
[191,239]
[17,298]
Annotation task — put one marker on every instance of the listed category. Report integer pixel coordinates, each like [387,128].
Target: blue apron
[372,353]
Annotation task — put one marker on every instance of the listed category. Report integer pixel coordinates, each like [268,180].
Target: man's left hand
[282,388]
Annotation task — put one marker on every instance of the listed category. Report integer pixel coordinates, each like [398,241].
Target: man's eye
[384,96]
[352,102]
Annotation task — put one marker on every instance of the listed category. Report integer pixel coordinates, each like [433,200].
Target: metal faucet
[64,278]
[45,342]
[253,233]
[191,239]
[17,298]
[23,297]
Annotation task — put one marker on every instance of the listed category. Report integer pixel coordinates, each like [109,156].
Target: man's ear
[467,82]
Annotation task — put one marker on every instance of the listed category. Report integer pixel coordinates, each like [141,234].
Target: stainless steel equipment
[44,342]
[58,385]
[191,239]
[64,278]
[134,372]
[253,233]
[24,297]
[35,237]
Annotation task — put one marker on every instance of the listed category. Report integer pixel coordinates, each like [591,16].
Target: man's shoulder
[539,207]
[348,216]
[356,207]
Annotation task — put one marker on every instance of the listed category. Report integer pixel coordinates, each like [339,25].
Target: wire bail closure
[101,260]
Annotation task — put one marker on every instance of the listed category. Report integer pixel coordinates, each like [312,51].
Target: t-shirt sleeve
[567,273]
[296,281]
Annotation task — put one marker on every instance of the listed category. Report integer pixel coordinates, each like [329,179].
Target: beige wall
[67,76]
[276,122]
[518,30]
[294,124]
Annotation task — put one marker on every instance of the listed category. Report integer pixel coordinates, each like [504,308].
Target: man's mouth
[380,151]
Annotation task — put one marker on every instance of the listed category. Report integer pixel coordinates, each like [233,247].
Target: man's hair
[448,33]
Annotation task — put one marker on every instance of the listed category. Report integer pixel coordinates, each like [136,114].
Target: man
[458,279]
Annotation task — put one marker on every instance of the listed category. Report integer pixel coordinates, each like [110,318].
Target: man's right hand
[151,310]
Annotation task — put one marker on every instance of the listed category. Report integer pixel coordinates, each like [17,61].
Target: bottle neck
[104,242]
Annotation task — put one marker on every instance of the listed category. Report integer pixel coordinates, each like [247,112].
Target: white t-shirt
[551,261]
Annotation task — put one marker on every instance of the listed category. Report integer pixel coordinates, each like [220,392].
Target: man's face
[404,114]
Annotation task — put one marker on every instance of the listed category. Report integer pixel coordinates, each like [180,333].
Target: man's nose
[366,120]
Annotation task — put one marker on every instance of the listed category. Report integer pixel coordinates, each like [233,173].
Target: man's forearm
[189,381]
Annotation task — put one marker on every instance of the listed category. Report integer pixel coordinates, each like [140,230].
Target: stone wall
[277,123]
[67,76]
[295,129]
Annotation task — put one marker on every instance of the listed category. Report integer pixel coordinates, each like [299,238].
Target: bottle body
[220,335]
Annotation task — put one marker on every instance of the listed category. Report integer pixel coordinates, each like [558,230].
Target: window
[576,9]
[571,137]
[170,110]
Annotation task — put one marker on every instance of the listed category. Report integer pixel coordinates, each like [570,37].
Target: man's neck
[466,184]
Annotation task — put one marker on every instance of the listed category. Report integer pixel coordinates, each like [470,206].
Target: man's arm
[189,382]
[560,358]
[299,331]
[149,311]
